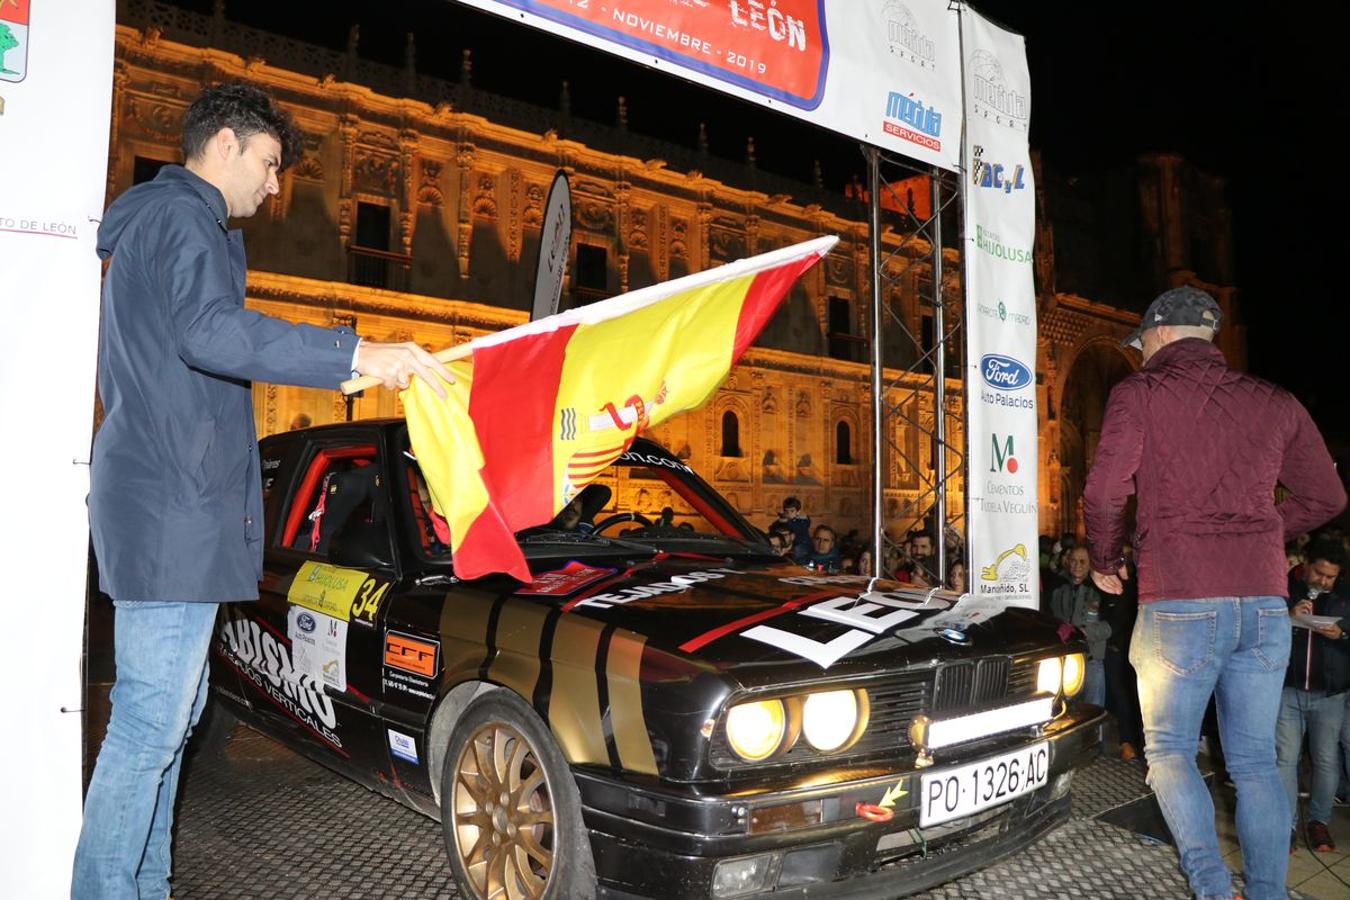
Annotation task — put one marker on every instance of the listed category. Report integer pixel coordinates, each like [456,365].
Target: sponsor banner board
[56,70]
[887,73]
[1001,402]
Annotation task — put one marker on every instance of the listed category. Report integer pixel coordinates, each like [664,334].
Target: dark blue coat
[175,504]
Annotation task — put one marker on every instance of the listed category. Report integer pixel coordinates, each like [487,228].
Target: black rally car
[669,710]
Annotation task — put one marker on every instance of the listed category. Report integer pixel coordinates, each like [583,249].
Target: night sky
[1251,94]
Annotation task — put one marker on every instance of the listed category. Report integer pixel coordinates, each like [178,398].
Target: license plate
[968,789]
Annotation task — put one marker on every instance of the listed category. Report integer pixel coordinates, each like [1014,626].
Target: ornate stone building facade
[413,218]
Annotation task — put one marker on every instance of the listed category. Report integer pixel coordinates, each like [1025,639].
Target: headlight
[830,719]
[1048,676]
[1075,669]
[756,730]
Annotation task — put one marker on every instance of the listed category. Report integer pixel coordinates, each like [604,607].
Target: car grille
[954,687]
[971,683]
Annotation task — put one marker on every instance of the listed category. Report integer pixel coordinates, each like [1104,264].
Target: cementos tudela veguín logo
[1004,373]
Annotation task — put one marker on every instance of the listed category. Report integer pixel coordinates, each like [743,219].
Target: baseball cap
[1179,306]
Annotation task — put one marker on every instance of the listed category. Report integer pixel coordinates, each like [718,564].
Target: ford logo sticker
[306,622]
[1003,372]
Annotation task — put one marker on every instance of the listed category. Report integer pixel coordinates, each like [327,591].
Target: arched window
[731,434]
[843,445]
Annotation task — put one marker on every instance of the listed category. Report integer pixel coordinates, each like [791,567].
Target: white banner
[56,67]
[1000,224]
[887,73]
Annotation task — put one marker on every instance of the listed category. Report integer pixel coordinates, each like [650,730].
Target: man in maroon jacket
[1202,447]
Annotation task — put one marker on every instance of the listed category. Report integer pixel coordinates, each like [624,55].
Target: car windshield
[647,500]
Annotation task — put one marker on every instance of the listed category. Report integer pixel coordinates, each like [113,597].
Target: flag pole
[629,302]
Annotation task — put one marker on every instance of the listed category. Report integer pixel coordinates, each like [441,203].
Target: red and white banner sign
[1000,224]
[885,73]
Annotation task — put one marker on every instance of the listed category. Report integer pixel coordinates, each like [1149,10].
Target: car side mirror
[362,545]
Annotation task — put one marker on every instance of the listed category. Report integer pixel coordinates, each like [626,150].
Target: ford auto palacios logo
[1004,373]
[306,622]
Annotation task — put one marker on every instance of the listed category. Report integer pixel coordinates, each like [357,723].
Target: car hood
[770,623]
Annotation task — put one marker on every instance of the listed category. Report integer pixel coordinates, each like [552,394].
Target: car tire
[532,845]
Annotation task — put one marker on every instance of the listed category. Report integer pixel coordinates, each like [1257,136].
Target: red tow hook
[873,813]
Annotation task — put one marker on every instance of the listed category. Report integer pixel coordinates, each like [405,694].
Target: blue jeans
[1236,649]
[1321,716]
[1094,683]
[124,849]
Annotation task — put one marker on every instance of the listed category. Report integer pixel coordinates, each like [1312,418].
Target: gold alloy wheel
[503,814]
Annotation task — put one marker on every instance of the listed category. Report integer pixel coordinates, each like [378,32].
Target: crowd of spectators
[910,559]
[1314,722]
[1107,622]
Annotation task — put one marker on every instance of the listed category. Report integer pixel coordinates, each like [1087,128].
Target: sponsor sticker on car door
[318,646]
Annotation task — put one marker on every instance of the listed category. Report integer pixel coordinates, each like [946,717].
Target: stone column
[348,126]
[464,157]
[121,77]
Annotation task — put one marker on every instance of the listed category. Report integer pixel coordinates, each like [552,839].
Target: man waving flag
[540,410]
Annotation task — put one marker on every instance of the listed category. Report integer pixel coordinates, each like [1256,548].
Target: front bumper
[651,842]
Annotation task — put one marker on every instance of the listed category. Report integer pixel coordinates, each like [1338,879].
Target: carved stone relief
[378,139]
[484,198]
[602,189]
[637,229]
[375,173]
[725,244]
[514,192]
[679,248]
[593,215]
[429,188]
[534,205]
[803,407]
[310,166]
[838,271]
[157,120]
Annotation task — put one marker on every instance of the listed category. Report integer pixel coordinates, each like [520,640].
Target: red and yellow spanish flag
[540,410]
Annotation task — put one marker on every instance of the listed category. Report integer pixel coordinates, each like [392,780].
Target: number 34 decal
[367,601]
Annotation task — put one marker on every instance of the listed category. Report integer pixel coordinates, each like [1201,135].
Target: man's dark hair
[792,503]
[923,533]
[1326,551]
[824,527]
[246,111]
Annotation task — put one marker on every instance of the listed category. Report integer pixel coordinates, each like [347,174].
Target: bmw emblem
[953,636]
[306,622]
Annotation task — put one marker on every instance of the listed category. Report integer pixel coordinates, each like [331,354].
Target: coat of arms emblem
[13,39]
